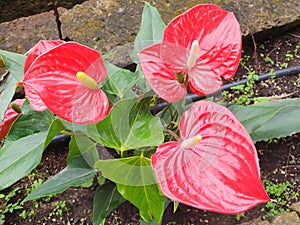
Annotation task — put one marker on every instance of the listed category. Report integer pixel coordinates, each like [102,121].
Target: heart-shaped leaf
[119,81]
[129,125]
[214,167]
[136,183]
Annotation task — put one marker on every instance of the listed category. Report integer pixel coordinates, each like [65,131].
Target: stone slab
[257,221]
[296,207]
[286,219]
[107,25]
[21,34]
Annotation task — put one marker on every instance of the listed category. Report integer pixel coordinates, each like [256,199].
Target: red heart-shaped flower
[214,167]
[53,76]
[198,48]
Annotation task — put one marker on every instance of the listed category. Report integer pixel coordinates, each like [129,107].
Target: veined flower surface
[52,79]
[214,167]
[37,50]
[204,44]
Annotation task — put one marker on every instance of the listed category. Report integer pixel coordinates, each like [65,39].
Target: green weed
[280,194]
[60,207]
[7,206]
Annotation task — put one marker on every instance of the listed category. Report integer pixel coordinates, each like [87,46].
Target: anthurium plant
[201,154]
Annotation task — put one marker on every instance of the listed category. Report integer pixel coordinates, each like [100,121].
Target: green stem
[174,135]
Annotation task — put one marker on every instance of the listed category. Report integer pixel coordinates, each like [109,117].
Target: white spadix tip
[191,142]
[193,54]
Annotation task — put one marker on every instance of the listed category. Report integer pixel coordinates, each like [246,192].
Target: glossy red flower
[10,116]
[40,48]
[66,79]
[198,48]
[214,167]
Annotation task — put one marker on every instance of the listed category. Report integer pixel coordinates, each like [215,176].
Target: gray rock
[21,34]
[257,221]
[286,219]
[296,207]
[107,25]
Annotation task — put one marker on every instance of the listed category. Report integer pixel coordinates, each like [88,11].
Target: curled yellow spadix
[86,80]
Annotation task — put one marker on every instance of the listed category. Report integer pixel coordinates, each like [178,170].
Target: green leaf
[136,183]
[127,170]
[29,122]
[82,145]
[55,128]
[268,120]
[119,81]
[15,64]
[24,145]
[73,149]
[18,158]
[176,204]
[143,222]
[143,86]
[106,199]
[151,30]
[76,173]
[129,125]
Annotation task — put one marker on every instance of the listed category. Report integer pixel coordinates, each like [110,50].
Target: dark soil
[279,159]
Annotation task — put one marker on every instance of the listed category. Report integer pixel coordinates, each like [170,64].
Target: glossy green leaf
[106,199]
[127,171]
[25,143]
[151,30]
[269,120]
[18,158]
[129,125]
[143,86]
[73,149]
[76,173]
[29,122]
[55,128]
[119,81]
[14,63]
[84,146]
[136,183]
